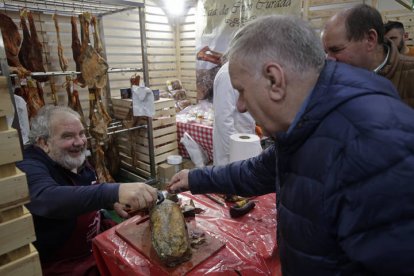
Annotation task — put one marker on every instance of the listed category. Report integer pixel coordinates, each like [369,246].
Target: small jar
[175,160]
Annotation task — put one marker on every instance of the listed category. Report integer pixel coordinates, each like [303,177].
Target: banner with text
[217,22]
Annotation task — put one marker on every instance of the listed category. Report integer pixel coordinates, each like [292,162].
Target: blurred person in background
[356,36]
[395,32]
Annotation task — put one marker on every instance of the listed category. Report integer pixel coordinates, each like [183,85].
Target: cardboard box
[187,164]
[165,172]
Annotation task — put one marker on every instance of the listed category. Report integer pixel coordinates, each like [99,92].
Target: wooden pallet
[134,145]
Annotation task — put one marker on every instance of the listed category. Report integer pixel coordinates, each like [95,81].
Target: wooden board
[138,236]
[6,106]
[14,190]
[16,233]
[23,261]
[10,150]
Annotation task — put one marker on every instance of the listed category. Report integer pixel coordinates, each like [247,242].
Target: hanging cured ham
[31,52]
[101,171]
[76,50]
[12,41]
[63,62]
[32,93]
[93,67]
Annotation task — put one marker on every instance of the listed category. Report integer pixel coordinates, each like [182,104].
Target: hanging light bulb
[174,8]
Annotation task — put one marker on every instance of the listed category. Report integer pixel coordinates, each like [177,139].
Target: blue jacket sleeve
[254,176]
[49,199]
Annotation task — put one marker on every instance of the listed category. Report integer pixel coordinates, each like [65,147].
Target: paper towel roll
[244,146]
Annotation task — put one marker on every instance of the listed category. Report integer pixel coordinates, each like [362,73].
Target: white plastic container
[175,160]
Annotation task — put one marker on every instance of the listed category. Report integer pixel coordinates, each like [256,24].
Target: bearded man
[64,197]
[395,32]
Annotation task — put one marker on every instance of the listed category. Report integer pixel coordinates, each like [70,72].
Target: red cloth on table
[202,134]
[250,243]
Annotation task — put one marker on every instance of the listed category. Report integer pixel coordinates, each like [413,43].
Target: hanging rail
[68,73]
[68,7]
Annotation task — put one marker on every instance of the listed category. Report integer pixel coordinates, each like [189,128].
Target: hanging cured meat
[99,118]
[63,62]
[97,43]
[93,67]
[32,93]
[12,41]
[101,171]
[73,99]
[100,80]
[31,53]
[76,49]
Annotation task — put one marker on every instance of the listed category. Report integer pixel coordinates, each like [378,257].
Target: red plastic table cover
[250,242]
[202,134]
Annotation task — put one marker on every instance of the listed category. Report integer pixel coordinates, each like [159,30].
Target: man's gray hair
[40,125]
[288,40]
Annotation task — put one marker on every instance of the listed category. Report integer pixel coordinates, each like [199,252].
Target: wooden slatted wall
[122,43]
[187,53]
[162,60]
[319,11]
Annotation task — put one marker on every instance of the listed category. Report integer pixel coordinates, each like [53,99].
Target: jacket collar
[388,70]
[337,84]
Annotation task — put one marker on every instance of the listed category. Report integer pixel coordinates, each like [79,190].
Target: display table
[250,243]
[202,134]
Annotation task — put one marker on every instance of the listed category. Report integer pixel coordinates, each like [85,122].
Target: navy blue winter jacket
[344,179]
[58,196]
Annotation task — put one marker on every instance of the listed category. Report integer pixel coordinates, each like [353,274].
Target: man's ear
[405,36]
[372,39]
[42,143]
[275,74]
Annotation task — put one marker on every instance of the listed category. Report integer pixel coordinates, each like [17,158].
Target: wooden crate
[134,145]
[17,255]
[16,229]
[22,261]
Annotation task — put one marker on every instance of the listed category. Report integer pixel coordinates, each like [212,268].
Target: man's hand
[137,195]
[120,210]
[179,182]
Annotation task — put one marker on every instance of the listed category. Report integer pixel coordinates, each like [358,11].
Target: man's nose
[79,140]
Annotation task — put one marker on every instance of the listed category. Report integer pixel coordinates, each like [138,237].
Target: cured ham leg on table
[12,41]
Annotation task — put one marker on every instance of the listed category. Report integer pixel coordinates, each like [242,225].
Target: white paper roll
[244,146]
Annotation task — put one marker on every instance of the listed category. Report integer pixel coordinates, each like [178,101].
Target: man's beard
[68,162]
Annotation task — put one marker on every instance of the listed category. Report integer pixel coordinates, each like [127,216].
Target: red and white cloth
[202,134]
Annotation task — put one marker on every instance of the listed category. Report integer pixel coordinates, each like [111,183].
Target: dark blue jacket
[58,196]
[345,179]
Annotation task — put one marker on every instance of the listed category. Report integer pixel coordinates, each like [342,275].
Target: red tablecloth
[202,134]
[250,243]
